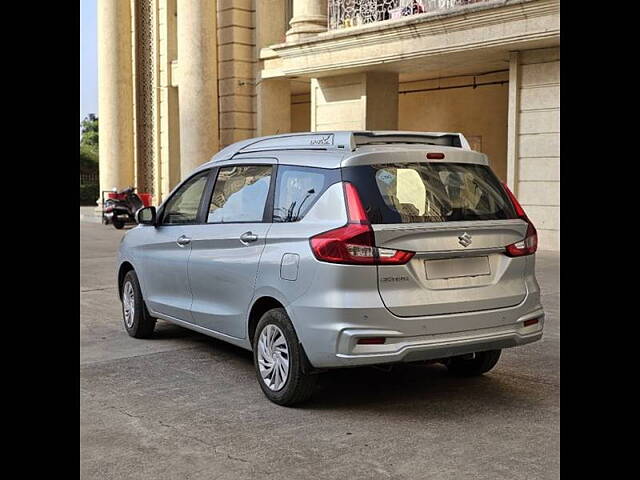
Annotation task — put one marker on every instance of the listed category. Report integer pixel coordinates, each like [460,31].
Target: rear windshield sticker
[385,176]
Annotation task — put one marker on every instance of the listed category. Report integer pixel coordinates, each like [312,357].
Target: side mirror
[146,216]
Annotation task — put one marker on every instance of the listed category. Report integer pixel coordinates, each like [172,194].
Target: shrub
[88,160]
[89,193]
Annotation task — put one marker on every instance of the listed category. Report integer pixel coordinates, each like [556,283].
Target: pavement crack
[130,415]
[166,425]
[138,417]
[96,289]
[118,359]
[231,457]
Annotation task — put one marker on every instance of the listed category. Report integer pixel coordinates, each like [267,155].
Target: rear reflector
[354,244]
[371,340]
[531,321]
[435,156]
[529,244]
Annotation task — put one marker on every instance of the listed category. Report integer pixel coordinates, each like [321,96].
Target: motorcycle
[123,208]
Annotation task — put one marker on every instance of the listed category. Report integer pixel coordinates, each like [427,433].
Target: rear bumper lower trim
[430,347]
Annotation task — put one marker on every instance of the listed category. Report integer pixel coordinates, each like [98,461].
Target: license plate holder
[457,267]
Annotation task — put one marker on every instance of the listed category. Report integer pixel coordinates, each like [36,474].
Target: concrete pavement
[88,214]
[185,406]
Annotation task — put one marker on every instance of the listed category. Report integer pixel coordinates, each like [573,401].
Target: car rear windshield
[429,192]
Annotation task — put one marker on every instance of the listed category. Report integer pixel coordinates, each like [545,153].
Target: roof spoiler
[426,138]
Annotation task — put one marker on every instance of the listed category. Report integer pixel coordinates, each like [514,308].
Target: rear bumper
[329,334]
[399,348]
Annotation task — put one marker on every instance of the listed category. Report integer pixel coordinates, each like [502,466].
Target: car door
[166,253]
[226,250]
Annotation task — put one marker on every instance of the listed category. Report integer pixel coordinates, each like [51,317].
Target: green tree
[88,159]
[89,144]
[90,132]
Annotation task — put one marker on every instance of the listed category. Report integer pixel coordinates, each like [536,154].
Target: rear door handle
[248,237]
[183,240]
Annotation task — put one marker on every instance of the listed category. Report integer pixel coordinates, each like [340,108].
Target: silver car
[339,249]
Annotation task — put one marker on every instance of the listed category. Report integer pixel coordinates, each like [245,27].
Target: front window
[182,207]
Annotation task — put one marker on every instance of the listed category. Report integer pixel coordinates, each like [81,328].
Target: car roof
[343,148]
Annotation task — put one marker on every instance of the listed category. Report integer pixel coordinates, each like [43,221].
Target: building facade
[181,79]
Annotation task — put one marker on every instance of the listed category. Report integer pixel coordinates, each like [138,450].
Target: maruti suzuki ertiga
[338,249]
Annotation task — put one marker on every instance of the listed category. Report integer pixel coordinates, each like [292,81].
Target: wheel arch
[124,268]
[259,307]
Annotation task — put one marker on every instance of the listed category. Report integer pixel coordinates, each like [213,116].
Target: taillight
[529,244]
[355,209]
[355,242]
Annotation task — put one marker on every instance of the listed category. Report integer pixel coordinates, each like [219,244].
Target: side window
[298,188]
[182,207]
[240,194]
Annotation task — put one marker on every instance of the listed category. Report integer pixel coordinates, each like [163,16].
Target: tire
[481,363]
[119,224]
[139,324]
[284,346]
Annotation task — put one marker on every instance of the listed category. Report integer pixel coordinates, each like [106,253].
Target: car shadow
[169,331]
[406,389]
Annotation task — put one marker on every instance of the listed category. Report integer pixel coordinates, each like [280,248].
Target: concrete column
[361,101]
[513,127]
[198,82]
[274,106]
[115,94]
[309,18]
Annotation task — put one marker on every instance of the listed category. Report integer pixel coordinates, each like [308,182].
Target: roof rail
[345,141]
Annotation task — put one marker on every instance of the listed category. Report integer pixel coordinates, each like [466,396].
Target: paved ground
[183,405]
[88,214]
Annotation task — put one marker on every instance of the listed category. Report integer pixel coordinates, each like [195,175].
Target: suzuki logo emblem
[464,239]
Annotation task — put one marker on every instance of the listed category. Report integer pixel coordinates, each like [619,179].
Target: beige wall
[273,99]
[360,101]
[538,154]
[301,113]
[479,113]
